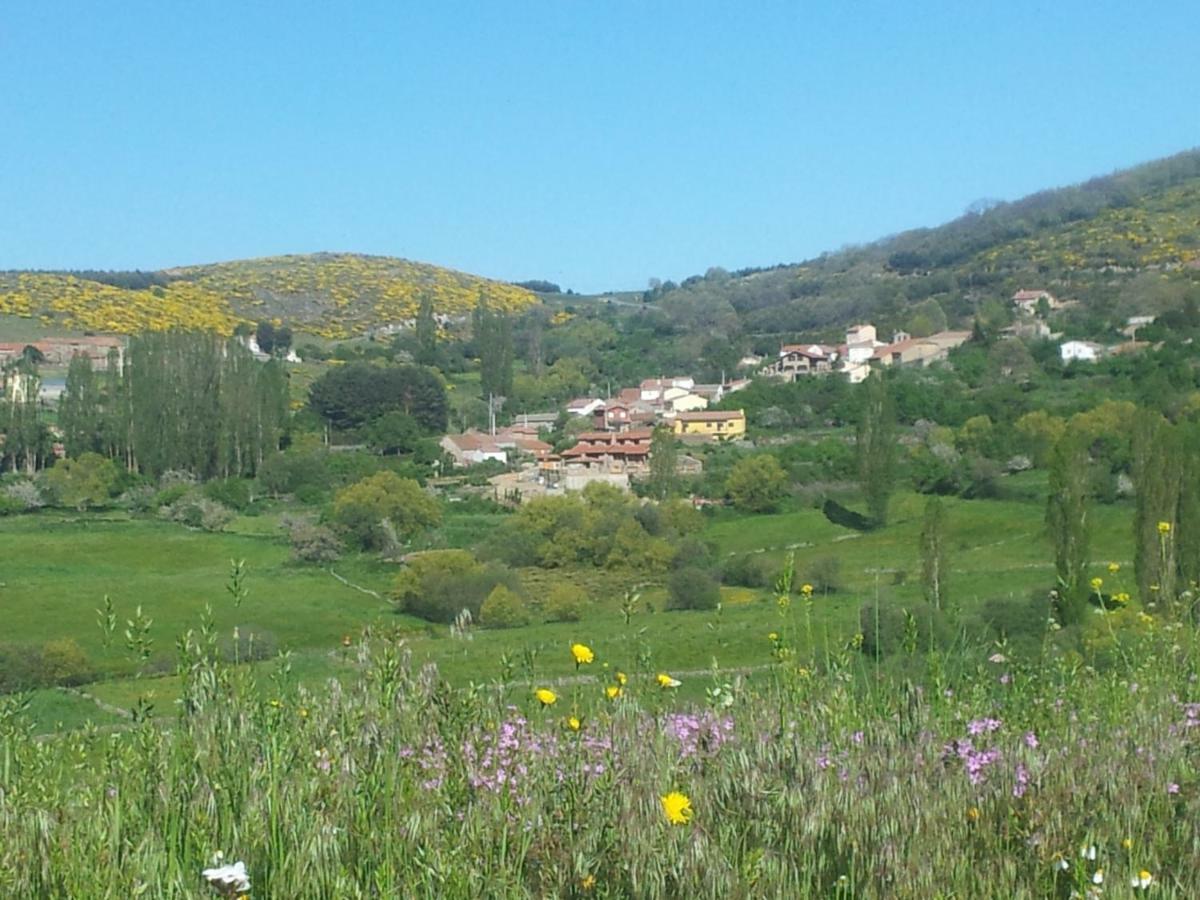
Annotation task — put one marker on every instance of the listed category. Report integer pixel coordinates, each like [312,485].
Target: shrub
[847,518]
[81,483]
[752,570]
[25,493]
[439,584]
[195,510]
[314,543]
[692,588]
[231,492]
[9,506]
[825,574]
[169,495]
[504,608]
[63,661]
[140,498]
[565,603]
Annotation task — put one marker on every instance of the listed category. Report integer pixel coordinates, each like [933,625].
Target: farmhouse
[1083,351]
[801,360]
[627,451]
[717,425]
[473,447]
[60,351]
[1027,301]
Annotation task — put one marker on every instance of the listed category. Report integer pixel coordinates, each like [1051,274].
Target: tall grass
[825,781]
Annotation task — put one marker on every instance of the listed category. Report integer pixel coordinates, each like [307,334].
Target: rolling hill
[1118,244]
[332,295]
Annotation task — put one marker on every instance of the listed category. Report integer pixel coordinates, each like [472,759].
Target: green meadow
[57,569]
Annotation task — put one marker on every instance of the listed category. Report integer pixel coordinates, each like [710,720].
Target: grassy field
[57,569]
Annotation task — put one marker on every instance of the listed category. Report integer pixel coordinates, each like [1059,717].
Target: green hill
[333,295]
[1121,244]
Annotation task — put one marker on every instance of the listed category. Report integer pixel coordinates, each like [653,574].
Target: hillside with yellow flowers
[332,295]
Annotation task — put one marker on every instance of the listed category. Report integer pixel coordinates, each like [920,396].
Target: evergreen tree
[664,462]
[877,447]
[80,409]
[426,353]
[494,340]
[1068,523]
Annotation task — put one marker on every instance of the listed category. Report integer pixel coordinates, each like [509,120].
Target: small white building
[1081,351]
[584,406]
[473,447]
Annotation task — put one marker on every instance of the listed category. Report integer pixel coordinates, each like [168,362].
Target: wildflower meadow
[825,778]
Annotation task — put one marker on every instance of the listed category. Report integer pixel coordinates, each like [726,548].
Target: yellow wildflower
[806,590]
[773,636]
[1164,527]
[573,723]
[545,696]
[1097,583]
[973,813]
[612,692]
[677,808]
[583,654]
[666,681]
[621,679]
[588,883]
[1114,568]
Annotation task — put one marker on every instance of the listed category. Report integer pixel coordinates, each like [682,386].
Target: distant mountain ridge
[336,295]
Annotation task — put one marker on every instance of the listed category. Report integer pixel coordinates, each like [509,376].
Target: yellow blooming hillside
[334,295]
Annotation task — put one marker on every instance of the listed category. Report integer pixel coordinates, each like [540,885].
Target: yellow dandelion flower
[612,692]
[545,696]
[1097,583]
[621,679]
[583,654]
[1114,568]
[806,590]
[573,723]
[677,808]
[973,813]
[773,636]
[1164,527]
[1127,843]
[666,681]
[588,883]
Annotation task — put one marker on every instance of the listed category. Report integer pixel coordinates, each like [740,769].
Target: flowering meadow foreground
[1032,780]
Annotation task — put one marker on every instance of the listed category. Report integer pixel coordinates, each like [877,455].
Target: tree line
[181,401]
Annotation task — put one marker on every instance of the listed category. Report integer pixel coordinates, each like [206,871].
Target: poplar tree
[426,333]
[1068,524]
[877,447]
[1158,464]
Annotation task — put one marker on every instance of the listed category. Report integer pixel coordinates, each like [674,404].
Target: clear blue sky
[592,143]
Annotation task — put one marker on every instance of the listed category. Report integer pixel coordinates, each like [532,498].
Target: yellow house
[719,425]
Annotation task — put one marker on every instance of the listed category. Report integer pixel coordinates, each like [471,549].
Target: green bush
[504,608]
[565,603]
[692,588]
[439,584]
[232,492]
[752,570]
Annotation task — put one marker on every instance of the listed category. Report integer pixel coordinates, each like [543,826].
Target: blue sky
[595,144]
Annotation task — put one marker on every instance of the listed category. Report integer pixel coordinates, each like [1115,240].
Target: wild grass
[818,779]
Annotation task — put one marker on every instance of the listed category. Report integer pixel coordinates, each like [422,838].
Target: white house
[584,406]
[1082,351]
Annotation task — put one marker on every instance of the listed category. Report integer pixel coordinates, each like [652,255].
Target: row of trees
[181,401]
